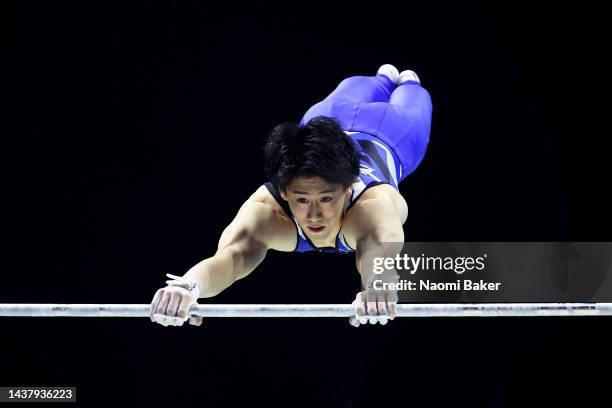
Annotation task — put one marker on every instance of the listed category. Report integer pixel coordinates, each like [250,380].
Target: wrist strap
[189,284]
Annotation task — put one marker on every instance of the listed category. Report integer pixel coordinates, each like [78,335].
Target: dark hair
[320,148]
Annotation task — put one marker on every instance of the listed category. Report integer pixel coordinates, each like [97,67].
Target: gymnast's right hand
[170,307]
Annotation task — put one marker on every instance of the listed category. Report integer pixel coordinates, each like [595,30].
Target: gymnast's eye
[326,199]
[302,200]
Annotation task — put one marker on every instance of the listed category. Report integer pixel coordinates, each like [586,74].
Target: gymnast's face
[317,205]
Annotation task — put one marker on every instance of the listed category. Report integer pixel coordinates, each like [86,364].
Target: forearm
[377,244]
[230,263]
[214,274]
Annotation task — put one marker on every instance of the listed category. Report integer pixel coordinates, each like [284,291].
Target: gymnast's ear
[283,195]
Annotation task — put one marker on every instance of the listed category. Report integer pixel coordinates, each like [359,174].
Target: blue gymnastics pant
[399,115]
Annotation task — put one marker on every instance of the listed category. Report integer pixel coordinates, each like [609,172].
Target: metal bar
[317,310]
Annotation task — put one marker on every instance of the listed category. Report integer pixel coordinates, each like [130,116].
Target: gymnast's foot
[407,75]
[389,71]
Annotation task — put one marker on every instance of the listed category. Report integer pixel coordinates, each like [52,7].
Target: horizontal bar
[318,310]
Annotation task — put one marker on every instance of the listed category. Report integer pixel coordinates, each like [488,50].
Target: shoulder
[383,195]
[273,226]
[381,204]
[262,195]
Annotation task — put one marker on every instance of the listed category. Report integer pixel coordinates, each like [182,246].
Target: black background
[135,133]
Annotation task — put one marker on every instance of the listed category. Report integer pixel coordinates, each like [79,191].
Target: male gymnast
[333,188]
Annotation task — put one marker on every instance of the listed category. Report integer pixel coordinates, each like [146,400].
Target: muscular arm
[243,245]
[376,220]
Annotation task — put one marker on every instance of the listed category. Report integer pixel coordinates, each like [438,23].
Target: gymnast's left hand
[373,307]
